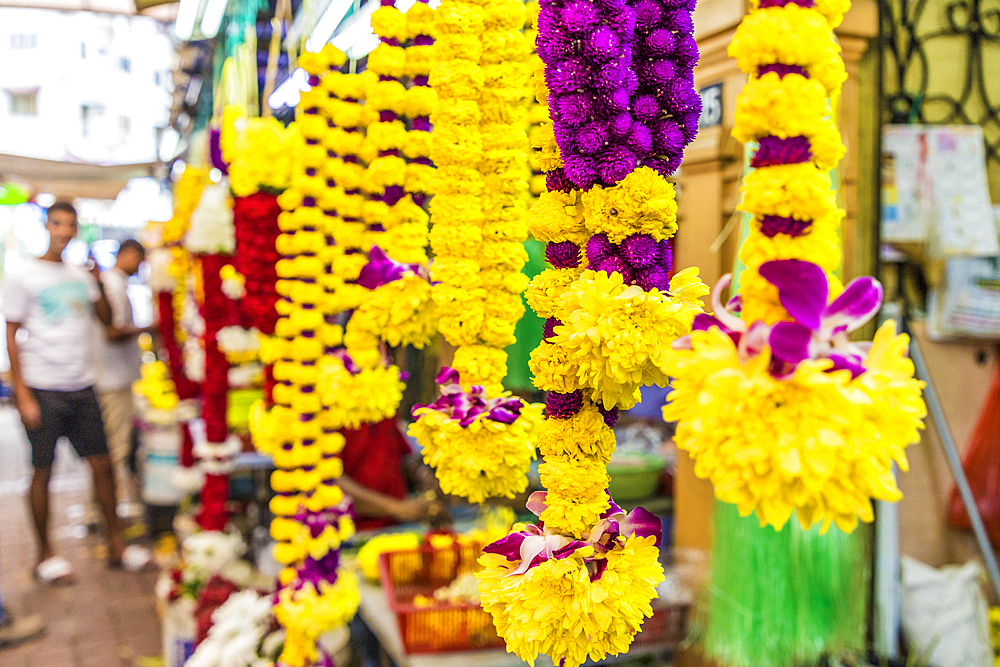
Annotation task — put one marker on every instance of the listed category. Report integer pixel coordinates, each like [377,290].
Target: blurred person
[15,631]
[48,304]
[117,362]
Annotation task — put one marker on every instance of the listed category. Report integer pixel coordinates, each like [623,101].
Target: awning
[69,180]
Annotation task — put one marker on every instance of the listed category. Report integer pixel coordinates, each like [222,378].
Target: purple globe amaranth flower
[666,254]
[655,277]
[580,169]
[668,137]
[574,108]
[599,248]
[640,139]
[686,5]
[617,101]
[775,150]
[555,44]
[616,163]
[563,254]
[646,107]
[557,181]
[590,139]
[548,331]
[678,20]
[660,43]
[602,44]
[641,251]
[772,225]
[689,124]
[613,264]
[782,70]
[686,51]
[660,72]
[679,97]
[563,406]
[648,14]
[566,76]
[393,193]
[613,76]
[578,16]
[621,125]
[610,416]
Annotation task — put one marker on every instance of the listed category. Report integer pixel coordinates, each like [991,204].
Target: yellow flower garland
[480,74]
[818,444]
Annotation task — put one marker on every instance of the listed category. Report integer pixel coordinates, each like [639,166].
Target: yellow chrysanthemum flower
[818,444]
[642,203]
[617,335]
[555,609]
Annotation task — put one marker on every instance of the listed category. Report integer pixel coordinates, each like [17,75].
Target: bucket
[162,445]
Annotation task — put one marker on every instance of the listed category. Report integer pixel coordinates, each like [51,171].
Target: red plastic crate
[441,626]
[444,627]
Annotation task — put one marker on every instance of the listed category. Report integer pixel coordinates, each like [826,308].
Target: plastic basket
[444,626]
[441,626]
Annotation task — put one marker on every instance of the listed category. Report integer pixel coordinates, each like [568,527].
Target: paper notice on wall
[907,204]
[934,188]
[967,304]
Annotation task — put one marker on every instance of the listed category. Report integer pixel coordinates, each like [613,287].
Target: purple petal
[447,375]
[642,523]
[704,322]
[568,550]
[802,288]
[531,547]
[753,341]
[790,341]
[502,415]
[846,362]
[508,547]
[536,503]
[857,304]
[600,565]
[613,509]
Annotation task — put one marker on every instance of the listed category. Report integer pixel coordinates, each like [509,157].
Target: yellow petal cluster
[483,460]
[818,443]
[478,218]
[307,613]
[557,610]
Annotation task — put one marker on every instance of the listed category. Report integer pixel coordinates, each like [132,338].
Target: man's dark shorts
[74,414]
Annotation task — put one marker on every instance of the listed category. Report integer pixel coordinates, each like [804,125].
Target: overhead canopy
[70,180]
[165,10]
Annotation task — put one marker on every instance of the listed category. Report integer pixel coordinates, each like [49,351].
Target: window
[23,40]
[124,64]
[23,104]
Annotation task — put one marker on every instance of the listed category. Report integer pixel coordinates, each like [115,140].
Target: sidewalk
[108,619]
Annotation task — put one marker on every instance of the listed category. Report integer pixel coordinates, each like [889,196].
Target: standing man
[48,305]
[117,364]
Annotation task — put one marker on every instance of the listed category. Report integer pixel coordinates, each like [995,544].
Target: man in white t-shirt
[52,302]
[117,362]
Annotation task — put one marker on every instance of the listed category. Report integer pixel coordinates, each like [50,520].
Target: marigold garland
[778,409]
[479,72]
[622,111]
[312,516]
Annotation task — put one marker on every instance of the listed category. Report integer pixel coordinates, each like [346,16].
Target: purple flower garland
[621,85]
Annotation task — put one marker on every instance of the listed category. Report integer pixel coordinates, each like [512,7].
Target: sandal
[134,559]
[54,571]
[17,631]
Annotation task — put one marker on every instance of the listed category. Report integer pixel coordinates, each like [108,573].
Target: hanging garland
[777,408]
[479,147]
[312,516]
[580,582]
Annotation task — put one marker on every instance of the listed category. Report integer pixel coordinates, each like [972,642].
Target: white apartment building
[83,86]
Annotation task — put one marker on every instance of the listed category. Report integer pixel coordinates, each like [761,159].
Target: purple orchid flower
[536,544]
[819,329]
[749,341]
[466,406]
[382,269]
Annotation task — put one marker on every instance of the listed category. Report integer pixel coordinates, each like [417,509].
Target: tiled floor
[108,618]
